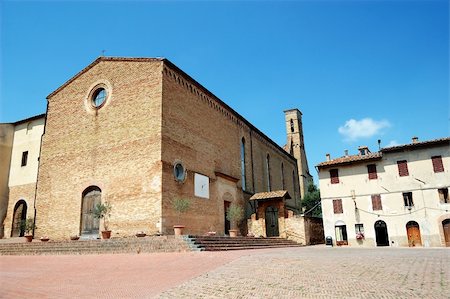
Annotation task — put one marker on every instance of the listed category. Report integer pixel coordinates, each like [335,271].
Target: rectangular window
[438,166]
[407,199]
[376,202]
[337,206]
[402,168]
[24,158]
[334,175]
[359,228]
[443,195]
[372,170]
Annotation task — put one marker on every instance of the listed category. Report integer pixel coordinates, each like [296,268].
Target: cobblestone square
[307,272]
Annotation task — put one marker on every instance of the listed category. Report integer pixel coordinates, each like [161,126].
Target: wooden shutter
[402,168]
[334,175]
[372,170]
[376,202]
[438,166]
[337,206]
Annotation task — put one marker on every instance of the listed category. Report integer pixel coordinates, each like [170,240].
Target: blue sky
[358,70]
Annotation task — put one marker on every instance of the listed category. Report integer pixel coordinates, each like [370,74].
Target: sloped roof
[351,159]
[270,195]
[421,144]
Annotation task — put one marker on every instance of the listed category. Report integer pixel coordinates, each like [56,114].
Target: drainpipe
[253,173]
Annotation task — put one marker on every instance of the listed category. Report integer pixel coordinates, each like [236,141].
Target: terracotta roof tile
[350,159]
[271,194]
[427,143]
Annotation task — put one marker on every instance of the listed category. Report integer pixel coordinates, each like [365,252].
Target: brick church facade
[140,133]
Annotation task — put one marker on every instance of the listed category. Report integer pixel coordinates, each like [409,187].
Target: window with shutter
[376,202]
[337,206]
[334,175]
[438,166]
[372,170]
[402,168]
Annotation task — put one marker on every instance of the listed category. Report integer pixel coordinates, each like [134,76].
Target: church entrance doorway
[446,226]
[226,206]
[381,233]
[413,233]
[272,222]
[20,214]
[89,224]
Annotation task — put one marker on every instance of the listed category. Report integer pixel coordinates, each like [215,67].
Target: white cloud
[364,128]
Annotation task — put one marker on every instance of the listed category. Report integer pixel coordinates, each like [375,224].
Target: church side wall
[206,137]
[116,148]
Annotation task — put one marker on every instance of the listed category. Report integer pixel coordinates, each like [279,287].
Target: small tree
[103,211]
[181,205]
[311,202]
[28,226]
[235,214]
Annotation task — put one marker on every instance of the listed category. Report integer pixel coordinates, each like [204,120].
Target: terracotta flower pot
[45,239]
[233,232]
[178,229]
[29,238]
[74,238]
[106,234]
[140,234]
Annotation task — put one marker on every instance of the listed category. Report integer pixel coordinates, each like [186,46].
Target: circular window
[179,172]
[99,97]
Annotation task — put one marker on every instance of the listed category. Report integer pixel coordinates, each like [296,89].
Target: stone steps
[214,243]
[122,245]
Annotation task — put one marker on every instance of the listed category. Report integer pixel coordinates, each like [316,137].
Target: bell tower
[296,147]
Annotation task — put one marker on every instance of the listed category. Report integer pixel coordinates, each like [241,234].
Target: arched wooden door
[272,222]
[381,233]
[413,233]
[91,197]
[446,226]
[20,214]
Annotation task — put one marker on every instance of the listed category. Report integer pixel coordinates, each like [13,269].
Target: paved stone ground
[307,272]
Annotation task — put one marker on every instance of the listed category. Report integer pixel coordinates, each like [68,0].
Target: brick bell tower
[296,147]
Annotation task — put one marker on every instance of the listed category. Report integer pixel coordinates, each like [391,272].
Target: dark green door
[272,222]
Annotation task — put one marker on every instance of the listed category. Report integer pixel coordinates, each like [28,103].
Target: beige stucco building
[140,133]
[397,196]
[19,153]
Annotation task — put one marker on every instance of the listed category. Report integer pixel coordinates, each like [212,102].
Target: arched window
[243,164]
[293,183]
[292,126]
[282,177]
[268,172]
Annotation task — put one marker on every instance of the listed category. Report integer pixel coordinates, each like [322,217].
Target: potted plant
[235,214]
[180,205]
[28,226]
[103,211]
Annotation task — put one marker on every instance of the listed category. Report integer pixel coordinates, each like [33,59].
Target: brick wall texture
[154,115]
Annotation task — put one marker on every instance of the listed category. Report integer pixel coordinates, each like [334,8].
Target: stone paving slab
[304,272]
[320,272]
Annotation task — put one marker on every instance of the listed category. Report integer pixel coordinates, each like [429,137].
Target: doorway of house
[89,224]
[226,206]
[20,214]
[341,234]
[446,227]
[381,233]
[413,233]
[272,222]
